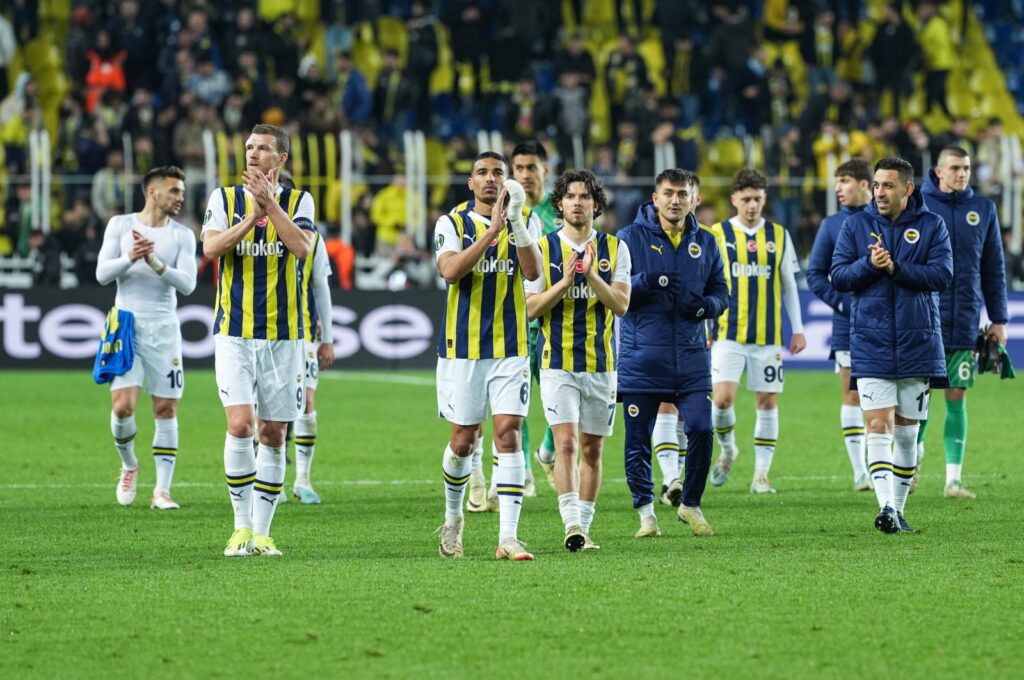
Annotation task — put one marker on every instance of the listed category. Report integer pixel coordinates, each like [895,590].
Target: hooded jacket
[663,345]
[818,281]
[978,270]
[894,319]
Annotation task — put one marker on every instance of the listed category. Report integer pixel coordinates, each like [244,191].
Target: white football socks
[305,445]
[852,420]
[165,452]
[879,447]
[124,430]
[665,444]
[240,472]
[455,472]
[569,509]
[683,443]
[723,420]
[586,515]
[904,462]
[270,464]
[766,436]
[510,474]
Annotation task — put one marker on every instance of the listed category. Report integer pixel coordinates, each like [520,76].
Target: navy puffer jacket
[894,319]
[817,276]
[978,270]
[661,349]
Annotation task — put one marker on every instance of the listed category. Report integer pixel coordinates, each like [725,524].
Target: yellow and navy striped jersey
[578,333]
[259,285]
[752,271]
[485,312]
[314,265]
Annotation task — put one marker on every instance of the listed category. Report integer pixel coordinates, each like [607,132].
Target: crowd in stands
[802,78]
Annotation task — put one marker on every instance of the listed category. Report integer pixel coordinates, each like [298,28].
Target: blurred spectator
[677,22]
[235,114]
[109,186]
[246,36]
[468,31]
[71,233]
[571,112]
[281,47]
[410,267]
[575,59]
[77,44]
[87,254]
[1014,262]
[25,20]
[129,35]
[894,54]
[364,235]
[320,116]
[786,172]
[44,250]
[392,100]
[282,96]
[208,83]
[18,218]
[7,49]
[106,70]
[526,113]
[936,40]
[625,75]
[422,58]
[819,49]
[752,92]
[387,212]
[197,28]
[350,91]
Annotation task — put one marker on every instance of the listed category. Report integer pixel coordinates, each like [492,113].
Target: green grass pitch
[798,584]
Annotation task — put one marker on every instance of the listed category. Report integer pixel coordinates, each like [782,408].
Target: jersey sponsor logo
[633,410]
[261,249]
[770,246]
[751,246]
[604,266]
[694,250]
[762,270]
[911,236]
[495,266]
[973,218]
[580,291]
[658,248]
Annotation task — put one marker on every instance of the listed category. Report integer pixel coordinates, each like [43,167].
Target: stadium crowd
[802,79]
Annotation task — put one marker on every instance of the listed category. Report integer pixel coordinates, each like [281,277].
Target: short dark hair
[954,151]
[162,172]
[280,136]
[594,188]
[677,176]
[904,168]
[490,154]
[748,178]
[856,168]
[530,148]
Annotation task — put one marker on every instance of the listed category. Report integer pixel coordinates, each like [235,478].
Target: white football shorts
[267,373]
[465,387]
[843,359]
[763,364]
[909,396]
[158,363]
[579,397]
[312,374]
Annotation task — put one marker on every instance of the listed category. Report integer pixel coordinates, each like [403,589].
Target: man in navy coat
[894,259]
[978,274]
[677,284]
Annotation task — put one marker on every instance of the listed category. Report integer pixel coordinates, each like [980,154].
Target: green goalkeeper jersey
[546,212]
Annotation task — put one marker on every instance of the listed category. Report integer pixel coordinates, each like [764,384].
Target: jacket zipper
[892,296]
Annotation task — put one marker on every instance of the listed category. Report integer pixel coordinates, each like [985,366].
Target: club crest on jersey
[770,246]
[751,246]
[911,236]
[511,239]
[662,281]
[175,361]
[604,266]
[973,218]
[633,410]
[694,250]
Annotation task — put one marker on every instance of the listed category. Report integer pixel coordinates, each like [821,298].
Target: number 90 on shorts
[763,364]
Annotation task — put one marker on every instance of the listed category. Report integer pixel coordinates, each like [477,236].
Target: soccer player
[853,189]
[978,273]
[668,436]
[319,354]
[259,232]
[892,258]
[761,266]
[483,253]
[677,284]
[584,285]
[530,169]
[151,257]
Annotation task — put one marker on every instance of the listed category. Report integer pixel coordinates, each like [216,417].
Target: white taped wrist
[521,234]
[157,265]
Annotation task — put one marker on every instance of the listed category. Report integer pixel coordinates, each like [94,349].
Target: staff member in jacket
[977,266]
[893,259]
[677,283]
[853,189]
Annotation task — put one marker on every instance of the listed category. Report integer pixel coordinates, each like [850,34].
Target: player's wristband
[157,265]
[521,233]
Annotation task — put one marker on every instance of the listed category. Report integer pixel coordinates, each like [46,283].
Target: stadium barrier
[47,328]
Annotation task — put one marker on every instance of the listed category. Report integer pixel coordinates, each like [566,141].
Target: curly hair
[748,178]
[594,188]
